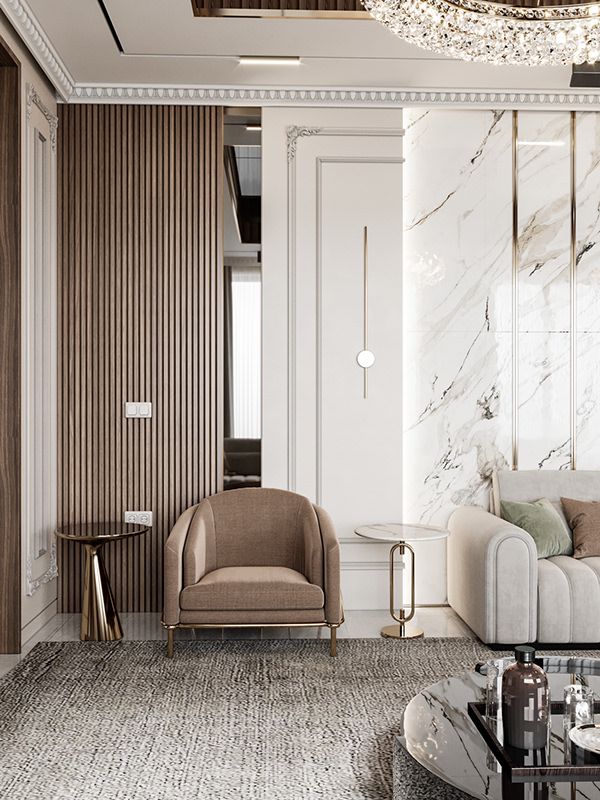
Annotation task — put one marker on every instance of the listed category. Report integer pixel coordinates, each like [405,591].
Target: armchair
[252,557]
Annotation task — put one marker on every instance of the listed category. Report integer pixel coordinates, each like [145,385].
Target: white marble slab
[588,221]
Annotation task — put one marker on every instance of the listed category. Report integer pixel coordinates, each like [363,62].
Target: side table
[99,619]
[401,534]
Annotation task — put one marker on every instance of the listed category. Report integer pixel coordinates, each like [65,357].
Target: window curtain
[228,353]
[246,352]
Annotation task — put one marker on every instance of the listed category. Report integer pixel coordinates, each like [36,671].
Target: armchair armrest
[492,576]
[173,566]
[331,568]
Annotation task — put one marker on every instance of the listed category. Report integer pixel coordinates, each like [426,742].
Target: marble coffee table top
[440,736]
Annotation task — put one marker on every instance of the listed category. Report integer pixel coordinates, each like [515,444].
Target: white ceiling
[164,44]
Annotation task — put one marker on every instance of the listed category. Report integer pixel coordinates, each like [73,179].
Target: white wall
[38,497]
[321,436]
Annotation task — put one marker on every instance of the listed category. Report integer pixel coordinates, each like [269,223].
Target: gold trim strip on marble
[366,305]
[515,291]
[573,295]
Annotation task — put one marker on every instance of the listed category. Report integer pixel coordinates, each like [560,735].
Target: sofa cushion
[543,523]
[525,486]
[584,520]
[568,600]
[252,588]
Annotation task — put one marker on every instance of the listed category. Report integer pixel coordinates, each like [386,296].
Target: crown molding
[33,35]
[31,32]
[336,97]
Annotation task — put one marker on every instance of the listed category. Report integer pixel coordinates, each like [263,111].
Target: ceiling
[164,44]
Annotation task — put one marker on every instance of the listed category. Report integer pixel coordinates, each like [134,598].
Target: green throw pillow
[543,523]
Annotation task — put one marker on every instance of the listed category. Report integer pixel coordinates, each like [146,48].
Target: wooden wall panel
[140,254]
[10,353]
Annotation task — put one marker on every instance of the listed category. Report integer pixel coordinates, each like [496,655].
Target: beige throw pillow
[583,517]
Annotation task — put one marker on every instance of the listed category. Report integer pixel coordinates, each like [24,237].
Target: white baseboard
[38,622]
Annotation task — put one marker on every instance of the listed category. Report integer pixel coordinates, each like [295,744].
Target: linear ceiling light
[270,60]
[254,127]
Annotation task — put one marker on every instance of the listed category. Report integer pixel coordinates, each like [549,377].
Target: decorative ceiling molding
[33,35]
[31,32]
[338,97]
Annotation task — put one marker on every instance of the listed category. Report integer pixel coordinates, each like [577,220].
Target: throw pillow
[543,523]
[583,517]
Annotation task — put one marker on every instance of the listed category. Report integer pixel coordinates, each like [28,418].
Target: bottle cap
[524,654]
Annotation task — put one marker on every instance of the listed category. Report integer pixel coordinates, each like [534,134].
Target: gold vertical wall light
[515,291]
[573,295]
[365,358]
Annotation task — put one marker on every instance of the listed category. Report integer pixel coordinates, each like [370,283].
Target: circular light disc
[365,359]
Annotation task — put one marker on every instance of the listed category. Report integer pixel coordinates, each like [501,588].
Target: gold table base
[99,619]
[402,632]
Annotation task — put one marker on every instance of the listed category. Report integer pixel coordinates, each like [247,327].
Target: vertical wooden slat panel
[140,194]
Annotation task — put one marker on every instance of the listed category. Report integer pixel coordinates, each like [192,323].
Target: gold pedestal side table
[99,619]
[401,534]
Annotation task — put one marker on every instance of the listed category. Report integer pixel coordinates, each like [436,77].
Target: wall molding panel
[140,318]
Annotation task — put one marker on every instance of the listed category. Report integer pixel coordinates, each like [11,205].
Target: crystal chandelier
[496,32]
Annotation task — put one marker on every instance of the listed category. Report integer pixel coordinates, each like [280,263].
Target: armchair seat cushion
[252,588]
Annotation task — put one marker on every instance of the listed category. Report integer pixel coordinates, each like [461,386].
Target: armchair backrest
[267,527]
[527,486]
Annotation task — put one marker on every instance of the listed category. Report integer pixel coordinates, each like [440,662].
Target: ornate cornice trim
[51,573]
[340,97]
[33,98]
[295,132]
[26,25]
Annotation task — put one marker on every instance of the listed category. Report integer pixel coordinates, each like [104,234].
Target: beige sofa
[496,582]
[252,557]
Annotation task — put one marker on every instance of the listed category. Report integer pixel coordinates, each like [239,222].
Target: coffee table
[401,534]
[440,736]
[99,618]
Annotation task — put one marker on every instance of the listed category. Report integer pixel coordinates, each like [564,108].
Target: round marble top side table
[401,534]
[99,619]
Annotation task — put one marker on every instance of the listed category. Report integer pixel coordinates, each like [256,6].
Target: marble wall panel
[457,307]
[544,290]
[587,374]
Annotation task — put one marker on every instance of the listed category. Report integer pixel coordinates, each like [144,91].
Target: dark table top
[439,734]
[96,532]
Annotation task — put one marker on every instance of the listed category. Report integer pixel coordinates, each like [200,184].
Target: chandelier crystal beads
[495,32]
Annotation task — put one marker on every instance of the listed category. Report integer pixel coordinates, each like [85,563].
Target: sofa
[497,584]
[252,558]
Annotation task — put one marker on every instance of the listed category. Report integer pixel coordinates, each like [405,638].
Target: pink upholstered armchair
[252,557]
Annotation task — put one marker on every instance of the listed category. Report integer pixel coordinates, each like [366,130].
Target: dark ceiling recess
[586,76]
[352,9]
[111,27]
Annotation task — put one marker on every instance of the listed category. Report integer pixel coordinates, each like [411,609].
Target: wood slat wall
[140,319]
[10,353]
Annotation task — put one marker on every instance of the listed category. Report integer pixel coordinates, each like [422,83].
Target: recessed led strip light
[254,127]
[270,61]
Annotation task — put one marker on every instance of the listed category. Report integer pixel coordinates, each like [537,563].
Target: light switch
[138,410]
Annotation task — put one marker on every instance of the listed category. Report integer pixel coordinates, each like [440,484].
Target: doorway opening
[242,299]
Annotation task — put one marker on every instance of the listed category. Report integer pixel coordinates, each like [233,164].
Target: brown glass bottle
[525,702]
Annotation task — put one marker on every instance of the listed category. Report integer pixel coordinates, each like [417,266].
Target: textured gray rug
[246,720]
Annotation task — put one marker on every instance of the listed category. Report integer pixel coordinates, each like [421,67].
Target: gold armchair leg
[333,640]
[170,643]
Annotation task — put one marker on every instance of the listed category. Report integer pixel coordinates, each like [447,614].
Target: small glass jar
[579,705]
[525,702]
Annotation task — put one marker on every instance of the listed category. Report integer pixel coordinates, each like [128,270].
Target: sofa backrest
[527,486]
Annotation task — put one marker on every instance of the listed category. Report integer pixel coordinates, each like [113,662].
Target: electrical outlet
[138,518]
[138,410]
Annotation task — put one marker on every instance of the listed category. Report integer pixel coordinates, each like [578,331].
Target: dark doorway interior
[10,353]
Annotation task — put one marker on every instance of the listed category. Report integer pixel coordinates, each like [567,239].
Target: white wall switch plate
[138,410]
[138,518]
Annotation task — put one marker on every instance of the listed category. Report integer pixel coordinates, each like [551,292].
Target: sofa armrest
[492,576]
[173,566]
[331,568]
